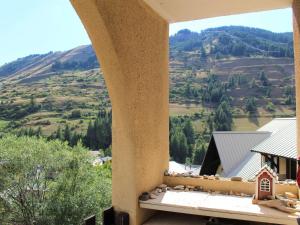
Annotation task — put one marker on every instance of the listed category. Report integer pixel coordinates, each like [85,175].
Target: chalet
[245,153]
[229,154]
[279,150]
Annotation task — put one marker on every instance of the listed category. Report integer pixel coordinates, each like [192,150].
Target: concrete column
[131,43]
[296,28]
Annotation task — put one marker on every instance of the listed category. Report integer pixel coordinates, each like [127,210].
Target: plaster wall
[282,166]
[226,185]
[296,29]
[131,43]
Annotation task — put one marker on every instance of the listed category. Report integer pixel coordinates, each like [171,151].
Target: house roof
[248,167]
[234,148]
[283,140]
[277,124]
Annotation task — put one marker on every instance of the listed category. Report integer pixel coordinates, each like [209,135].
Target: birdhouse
[265,183]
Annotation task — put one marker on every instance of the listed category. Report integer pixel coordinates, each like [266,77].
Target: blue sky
[39,26]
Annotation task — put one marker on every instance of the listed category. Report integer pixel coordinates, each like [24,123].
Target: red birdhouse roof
[268,169]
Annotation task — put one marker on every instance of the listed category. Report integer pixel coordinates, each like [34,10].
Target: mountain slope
[34,65]
[234,41]
[233,63]
[216,43]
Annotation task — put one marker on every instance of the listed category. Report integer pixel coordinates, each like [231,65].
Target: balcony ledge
[217,205]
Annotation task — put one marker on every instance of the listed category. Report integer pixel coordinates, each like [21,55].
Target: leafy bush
[49,183]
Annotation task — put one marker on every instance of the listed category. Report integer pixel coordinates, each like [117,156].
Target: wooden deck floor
[222,206]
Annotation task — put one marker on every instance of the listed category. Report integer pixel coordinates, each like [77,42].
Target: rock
[177,175]
[290,195]
[195,176]
[251,180]
[236,179]
[217,177]
[198,188]
[291,204]
[162,186]
[212,177]
[155,192]
[186,189]
[285,206]
[159,190]
[231,193]
[179,187]
[270,197]
[205,177]
[144,196]
[153,196]
[166,173]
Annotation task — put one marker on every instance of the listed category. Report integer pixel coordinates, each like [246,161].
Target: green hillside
[251,69]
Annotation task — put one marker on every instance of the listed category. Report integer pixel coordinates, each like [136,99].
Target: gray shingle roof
[248,167]
[234,147]
[282,143]
[277,124]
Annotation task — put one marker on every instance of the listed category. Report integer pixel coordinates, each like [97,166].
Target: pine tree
[188,131]
[90,136]
[210,123]
[74,139]
[187,90]
[179,147]
[59,134]
[223,117]
[199,153]
[264,79]
[251,105]
[67,134]
[203,55]
[39,132]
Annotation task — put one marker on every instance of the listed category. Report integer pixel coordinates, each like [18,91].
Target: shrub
[49,183]
[75,114]
[270,107]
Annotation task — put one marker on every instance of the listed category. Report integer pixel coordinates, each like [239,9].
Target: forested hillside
[226,78]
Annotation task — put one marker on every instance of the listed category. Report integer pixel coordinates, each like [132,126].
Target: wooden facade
[284,167]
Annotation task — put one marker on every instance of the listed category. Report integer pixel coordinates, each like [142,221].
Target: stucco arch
[131,43]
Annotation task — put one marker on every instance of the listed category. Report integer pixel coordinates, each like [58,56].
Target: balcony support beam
[296,29]
[131,43]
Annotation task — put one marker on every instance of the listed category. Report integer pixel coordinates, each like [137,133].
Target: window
[265,185]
